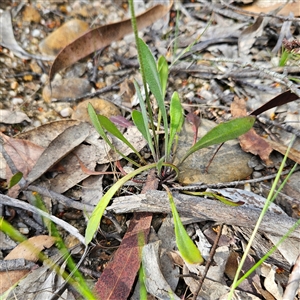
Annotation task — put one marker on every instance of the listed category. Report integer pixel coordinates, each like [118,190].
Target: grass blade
[222,133]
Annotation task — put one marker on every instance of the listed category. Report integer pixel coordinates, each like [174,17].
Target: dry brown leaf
[250,34]
[262,6]
[28,250]
[24,155]
[250,141]
[100,37]
[46,133]
[58,149]
[293,154]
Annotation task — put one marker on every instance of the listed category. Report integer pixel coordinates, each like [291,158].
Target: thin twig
[208,262]
[281,78]
[21,204]
[92,95]
[61,198]
[228,184]
[285,127]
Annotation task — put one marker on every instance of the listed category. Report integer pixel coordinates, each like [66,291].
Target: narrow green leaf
[9,230]
[96,123]
[146,132]
[176,120]
[188,250]
[153,80]
[163,70]
[15,179]
[151,72]
[159,165]
[138,121]
[98,212]
[222,133]
[216,196]
[109,126]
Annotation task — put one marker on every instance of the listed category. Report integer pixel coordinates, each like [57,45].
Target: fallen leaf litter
[25,98]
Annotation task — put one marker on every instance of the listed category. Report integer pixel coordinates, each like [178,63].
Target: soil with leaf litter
[231,61]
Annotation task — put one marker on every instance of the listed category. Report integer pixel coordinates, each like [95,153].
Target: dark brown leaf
[281,99]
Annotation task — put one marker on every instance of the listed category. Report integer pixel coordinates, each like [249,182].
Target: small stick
[208,262]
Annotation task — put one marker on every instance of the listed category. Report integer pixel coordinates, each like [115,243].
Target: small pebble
[36,33]
[66,112]
[256,174]
[16,101]
[24,230]
[14,85]
[36,123]
[189,95]
[44,78]
[12,93]
[191,86]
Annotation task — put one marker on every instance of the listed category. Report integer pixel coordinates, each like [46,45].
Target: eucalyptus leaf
[222,133]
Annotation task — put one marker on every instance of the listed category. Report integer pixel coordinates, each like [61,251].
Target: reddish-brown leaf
[121,121]
[102,36]
[250,141]
[195,121]
[118,277]
[24,155]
